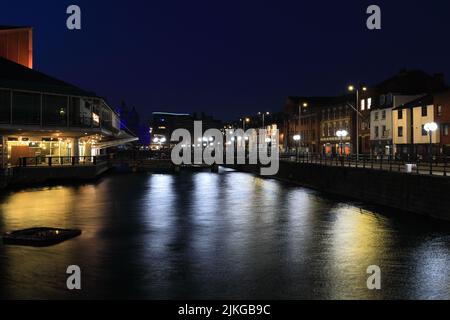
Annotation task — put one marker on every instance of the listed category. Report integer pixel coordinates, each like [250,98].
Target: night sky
[230,58]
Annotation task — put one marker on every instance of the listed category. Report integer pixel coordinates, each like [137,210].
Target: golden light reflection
[359,240]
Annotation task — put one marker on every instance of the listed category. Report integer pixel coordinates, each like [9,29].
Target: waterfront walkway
[439,166]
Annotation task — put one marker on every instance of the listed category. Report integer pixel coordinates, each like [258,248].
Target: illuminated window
[369,103]
[95,118]
[363,104]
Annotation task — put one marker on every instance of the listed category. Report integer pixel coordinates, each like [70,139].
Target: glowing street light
[263,114]
[431,127]
[352,88]
[341,134]
[297,139]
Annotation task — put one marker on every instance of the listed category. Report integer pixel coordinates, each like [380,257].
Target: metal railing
[435,165]
[46,161]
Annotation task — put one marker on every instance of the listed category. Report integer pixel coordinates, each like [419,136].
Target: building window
[382,100]
[383,132]
[363,105]
[424,111]
[445,130]
[369,103]
[376,116]
[54,110]
[424,132]
[383,115]
[400,114]
[26,108]
[389,99]
[439,110]
[5,106]
[400,131]
[376,132]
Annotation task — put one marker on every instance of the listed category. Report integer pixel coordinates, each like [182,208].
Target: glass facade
[44,128]
[51,110]
[38,150]
[26,108]
[5,106]
[54,110]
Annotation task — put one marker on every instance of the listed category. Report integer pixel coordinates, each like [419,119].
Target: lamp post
[263,114]
[303,105]
[341,134]
[431,127]
[352,88]
[245,120]
[296,138]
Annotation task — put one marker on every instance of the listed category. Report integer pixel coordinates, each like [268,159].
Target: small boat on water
[39,237]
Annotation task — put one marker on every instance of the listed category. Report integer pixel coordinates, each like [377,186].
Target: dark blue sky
[230,58]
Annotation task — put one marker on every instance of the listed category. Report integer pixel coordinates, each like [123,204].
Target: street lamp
[263,114]
[245,120]
[296,138]
[341,134]
[431,127]
[303,105]
[352,88]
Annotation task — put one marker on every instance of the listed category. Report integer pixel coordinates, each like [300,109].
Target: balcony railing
[44,161]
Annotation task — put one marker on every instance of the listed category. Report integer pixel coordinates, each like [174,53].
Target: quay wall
[37,175]
[420,194]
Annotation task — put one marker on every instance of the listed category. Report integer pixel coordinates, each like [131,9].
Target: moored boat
[39,237]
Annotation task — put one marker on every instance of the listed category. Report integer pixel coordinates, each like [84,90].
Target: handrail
[50,161]
[418,164]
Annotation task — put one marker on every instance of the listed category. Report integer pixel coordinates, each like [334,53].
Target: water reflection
[227,235]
